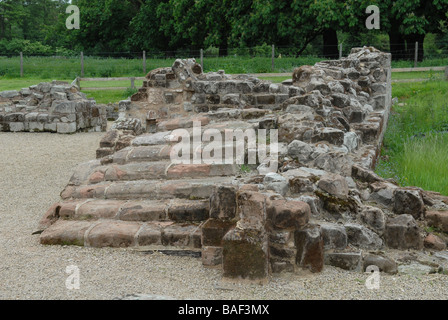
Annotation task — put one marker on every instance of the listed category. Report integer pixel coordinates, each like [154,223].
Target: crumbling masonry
[323,206]
[50,107]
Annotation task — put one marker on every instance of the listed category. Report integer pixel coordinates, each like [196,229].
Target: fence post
[340,51]
[133,83]
[273,57]
[82,64]
[144,62]
[202,59]
[416,55]
[21,64]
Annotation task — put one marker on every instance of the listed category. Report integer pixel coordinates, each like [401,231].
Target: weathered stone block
[245,255]
[438,219]
[408,201]
[213,232]
[65,233]
[223,203]
[362,237]
[288,215]
[374,218]
[402,232]
[149,235]
[333,136]
[434,242]
[384,264]
[189,211]
[334,184]
[113,234]
[344,260]
[211,256]
[334,235]
[66,127]
[310,248]
[251,209]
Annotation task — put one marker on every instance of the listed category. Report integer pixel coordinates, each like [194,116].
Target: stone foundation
[50,107]
[323,206]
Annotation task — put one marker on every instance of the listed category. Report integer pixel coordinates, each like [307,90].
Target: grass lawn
[418,75]
[415,151]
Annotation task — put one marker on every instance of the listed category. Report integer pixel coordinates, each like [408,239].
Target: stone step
[192,189]
[159,170]
[178,210]
[159,153]
[120,234]
[180,123]
[172,137]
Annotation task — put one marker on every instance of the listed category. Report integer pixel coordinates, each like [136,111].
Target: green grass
[106,96]
[275,79]
[415,149]
[94,67]
[418,75]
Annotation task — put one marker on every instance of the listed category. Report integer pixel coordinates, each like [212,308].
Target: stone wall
[50,107]
[323,205]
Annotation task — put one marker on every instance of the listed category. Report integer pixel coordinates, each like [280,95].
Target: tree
[105,24]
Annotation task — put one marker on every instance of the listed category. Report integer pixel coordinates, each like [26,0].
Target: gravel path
[36,167]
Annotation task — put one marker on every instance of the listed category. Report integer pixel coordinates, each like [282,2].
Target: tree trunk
[397,45]
[330,49]
[223,50]
[411,39]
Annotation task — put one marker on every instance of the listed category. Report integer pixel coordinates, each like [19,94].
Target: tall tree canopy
[173,25]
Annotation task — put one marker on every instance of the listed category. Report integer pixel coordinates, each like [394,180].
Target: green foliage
[416,139]
[129,92]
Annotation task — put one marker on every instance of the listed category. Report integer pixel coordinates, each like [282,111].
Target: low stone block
[143,211]
[16,126]
[384,264]
[113,234]
[179,236]
[403,233]
[347,261]
[288,215]
[335,185]
[334,235]
[433,242]
[245,256]
[310,248]
[149,235]
[188,211]
[251,209]
[438,219]
[65,233]
[362,237]
[211,256]
[408,201]
[66,127]
[223,203]
[214,230]
[374,218]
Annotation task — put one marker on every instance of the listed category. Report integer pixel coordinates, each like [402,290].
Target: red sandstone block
[65,233]
[116,234]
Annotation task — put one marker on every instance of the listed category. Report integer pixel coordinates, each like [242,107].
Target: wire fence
[261,59]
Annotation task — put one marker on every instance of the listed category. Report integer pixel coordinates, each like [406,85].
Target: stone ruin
[323,206]
[50,107]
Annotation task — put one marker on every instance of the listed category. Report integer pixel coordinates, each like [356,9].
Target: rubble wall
[50,107]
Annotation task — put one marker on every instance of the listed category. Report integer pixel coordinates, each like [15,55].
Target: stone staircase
[136,197]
